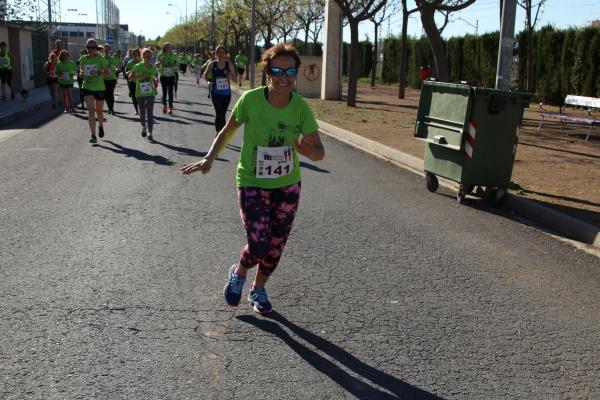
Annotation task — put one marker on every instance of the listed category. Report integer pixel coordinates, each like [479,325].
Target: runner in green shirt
[145,75]
[278,125]
[66,70]
[240,63]
[135,53]
[211,56]
[94,68]
[110,81]
[196,64]
[5,71]
[167,66]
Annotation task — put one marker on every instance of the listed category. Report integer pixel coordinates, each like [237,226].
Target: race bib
[90,70]
[145,87]
[168,71]
[274,162]
[222,84]
[65,76]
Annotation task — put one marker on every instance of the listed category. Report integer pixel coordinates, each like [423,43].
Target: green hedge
[566,61]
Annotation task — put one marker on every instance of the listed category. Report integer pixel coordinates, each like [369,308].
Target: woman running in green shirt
[167,65]
[66,69]
[110,81]
[145,76]
[5,71]
[135,53]
[94,68]
[278,125]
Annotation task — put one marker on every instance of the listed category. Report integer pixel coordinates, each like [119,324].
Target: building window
[73,34]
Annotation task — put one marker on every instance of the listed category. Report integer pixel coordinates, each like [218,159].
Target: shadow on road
[187,152]
[358,388]
[137,154]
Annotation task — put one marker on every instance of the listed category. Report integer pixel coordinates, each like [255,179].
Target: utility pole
[252,54]
[507,41]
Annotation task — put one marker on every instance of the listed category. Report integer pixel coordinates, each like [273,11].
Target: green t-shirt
[144,82]
[197,62]
[65,71]
[269,159]
[168,64]
[132,64]
[112,64]
[5,62]
[93,72]
[241,61]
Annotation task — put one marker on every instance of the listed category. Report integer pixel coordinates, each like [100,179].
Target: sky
[150,18]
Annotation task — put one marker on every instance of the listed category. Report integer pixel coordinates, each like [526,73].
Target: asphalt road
[112,266]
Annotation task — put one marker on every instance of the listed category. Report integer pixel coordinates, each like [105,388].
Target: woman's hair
[219,47]
[2,44]
[280,50]
[146,50]
[82,52]
[63,54]
[135,51]
[165,46]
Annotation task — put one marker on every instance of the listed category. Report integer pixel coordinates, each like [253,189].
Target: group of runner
[278,126]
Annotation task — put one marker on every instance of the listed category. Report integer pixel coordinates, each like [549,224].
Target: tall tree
[404,48]
[287,26]
[530,7]
[356,11]
[383,15]
[308,12]
[428,8]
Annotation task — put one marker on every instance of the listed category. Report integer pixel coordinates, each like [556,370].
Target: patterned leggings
[268,215]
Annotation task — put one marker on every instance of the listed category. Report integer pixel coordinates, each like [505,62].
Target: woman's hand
[310,146]
[203,165]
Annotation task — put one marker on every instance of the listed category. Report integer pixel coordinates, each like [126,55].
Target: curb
[556,221]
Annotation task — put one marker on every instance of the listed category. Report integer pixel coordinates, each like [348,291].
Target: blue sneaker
[260,300]
[233,289]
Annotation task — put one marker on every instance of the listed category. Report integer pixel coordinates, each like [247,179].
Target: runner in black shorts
[94,68]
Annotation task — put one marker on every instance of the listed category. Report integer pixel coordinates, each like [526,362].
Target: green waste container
[471,136]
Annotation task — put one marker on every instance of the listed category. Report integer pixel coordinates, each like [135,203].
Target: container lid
[488,92]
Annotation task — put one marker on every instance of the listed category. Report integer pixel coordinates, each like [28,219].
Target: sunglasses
[278,72]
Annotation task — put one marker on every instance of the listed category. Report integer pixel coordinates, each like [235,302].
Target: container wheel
[462,193]
[496,196]
[432,182]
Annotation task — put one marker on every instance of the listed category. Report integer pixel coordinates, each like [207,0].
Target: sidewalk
[12,110]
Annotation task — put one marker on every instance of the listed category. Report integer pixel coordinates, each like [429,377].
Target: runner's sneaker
[165,109]
[144,132]
[93,139]
[170,111]
[101,131]
[151,138]
[260,300]
[233,288]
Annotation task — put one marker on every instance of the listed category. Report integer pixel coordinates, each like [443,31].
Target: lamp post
[476,26]
[180,11]
[173,14]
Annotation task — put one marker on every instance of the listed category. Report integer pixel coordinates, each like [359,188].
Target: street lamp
[476,26]
[173,14]
[180,12]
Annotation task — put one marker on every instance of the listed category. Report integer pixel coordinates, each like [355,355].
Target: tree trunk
[435,41]
[354,64]
[375,58]
[306,53]
[403,55]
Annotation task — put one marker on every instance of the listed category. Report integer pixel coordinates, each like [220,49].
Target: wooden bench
[577,101]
